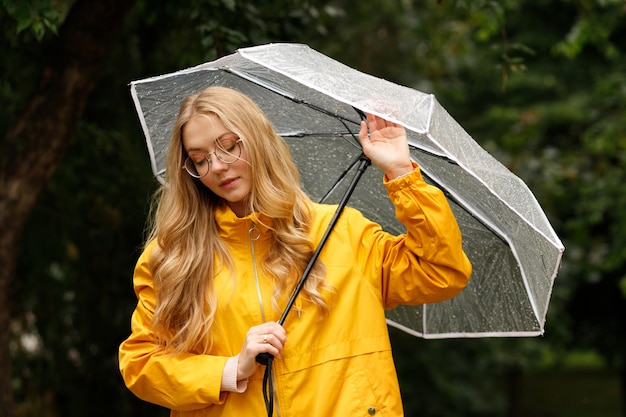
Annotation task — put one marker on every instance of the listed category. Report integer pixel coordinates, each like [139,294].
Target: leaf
[24,23]
[33,15]
[51,26]
[230,4]
[38,29]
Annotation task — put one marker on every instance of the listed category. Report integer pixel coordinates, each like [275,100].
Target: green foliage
[560,125]
[596,25]
[185,33]
[36,16]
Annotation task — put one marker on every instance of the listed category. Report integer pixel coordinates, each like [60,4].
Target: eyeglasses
[227,150]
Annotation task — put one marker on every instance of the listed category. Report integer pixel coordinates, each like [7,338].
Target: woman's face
[230,181]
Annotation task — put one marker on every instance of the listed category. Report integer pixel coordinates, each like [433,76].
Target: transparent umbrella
[315,103]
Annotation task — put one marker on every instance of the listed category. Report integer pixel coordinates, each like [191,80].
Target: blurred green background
[540,84]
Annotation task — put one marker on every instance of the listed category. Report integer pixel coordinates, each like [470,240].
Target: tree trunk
[36,142]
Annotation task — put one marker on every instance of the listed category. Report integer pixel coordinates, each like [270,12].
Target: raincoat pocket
[364,400]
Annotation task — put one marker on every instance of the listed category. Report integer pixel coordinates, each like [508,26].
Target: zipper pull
[253,232]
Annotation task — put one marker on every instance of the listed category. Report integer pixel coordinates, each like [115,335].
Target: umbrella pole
[266,358]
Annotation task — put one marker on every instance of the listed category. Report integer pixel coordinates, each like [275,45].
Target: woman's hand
[387,146]
[268,337]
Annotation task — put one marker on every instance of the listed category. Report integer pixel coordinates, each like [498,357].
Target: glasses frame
[207,156]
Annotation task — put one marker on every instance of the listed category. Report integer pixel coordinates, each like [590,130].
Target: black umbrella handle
[364,162]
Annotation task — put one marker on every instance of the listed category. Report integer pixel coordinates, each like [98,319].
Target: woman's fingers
[386,146]
[274,343]
[268,337]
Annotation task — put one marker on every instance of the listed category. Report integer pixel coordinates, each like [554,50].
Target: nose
[218,165]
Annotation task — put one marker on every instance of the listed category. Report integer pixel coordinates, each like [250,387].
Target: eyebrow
[217,138]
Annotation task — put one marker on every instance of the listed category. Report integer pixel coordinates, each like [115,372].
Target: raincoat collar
[229,224]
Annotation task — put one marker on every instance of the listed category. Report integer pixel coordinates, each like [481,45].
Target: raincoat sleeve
[181,382]
[425,265]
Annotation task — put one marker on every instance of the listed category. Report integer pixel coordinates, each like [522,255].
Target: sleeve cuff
[405,180]
[229,377]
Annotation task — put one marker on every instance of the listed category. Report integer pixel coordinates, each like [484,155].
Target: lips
[228,182]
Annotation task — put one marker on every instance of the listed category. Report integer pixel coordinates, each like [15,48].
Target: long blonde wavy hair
[184,225]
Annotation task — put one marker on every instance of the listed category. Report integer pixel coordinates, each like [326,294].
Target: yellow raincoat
[339,366]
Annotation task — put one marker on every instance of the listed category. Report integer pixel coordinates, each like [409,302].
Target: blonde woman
[231,235]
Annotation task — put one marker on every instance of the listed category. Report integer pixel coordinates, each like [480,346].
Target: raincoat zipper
[254,234]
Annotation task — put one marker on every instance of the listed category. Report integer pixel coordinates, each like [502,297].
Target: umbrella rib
[269,85]
[313,134]
[340,179]
[359,158]
[461,203]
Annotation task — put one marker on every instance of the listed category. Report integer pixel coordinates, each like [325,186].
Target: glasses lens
[228,149]
[197,165]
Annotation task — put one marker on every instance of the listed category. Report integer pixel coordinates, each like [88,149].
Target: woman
[231,235]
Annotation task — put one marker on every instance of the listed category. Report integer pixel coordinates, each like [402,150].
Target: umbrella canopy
[314,101]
